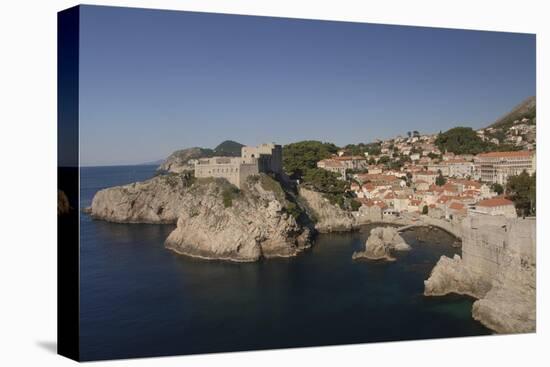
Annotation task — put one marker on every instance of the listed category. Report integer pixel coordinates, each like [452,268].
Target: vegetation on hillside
[301,156]
[229,194]
[496,187]
[464,140]
[362,148]
[228,148]
[461,140]
[324,181]
[521,189]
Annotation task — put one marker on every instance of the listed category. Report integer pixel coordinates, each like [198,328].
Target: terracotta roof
[455,161]
[456,206]
[332,163]
[350,158]
[370,202]
[517,154]
[426,173]
[378,177]
[369,186]
[469,183]
[498,201]
[449,187]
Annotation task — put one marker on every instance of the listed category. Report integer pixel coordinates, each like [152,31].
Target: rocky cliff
[157,200]
[498,267]
[214,219]
[327,217]
[381,244]
[253,225]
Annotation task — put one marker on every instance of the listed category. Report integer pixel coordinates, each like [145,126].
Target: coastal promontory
[215,220]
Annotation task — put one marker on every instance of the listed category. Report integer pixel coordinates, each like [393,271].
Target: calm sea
[139,299]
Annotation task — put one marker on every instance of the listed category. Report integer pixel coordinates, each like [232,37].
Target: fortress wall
[489,242]
[247,169]
[230,171]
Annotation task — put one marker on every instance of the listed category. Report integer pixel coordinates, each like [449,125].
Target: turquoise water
[139,299]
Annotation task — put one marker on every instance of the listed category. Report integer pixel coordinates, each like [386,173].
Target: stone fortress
[266,158]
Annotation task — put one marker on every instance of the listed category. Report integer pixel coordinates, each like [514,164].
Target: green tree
[462,140]
[355,205]
[324,181]
[384,160]
[425,210]
[301,156]
[521,189]
[432,155]
[440,180]
[496,187]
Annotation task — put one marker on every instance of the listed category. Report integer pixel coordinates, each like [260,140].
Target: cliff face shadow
[48,345]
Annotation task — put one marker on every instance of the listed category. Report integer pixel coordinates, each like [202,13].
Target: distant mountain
[151,163]
[527,109]
[178,161]
[229,148]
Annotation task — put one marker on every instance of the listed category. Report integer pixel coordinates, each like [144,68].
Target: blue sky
[154,81]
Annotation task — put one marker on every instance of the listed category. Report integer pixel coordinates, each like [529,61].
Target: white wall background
[28,184]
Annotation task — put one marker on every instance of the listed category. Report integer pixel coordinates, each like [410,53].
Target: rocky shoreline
[216,221]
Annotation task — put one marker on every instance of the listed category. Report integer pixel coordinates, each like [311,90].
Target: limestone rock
[214,219]
[450,276]
[328,217]
[255,225]
[381,244]
[157,200]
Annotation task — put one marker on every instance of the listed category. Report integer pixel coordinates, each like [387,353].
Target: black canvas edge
[68,241]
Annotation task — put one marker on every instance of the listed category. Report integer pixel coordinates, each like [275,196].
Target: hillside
[526,109]
[178,161]
[229,148]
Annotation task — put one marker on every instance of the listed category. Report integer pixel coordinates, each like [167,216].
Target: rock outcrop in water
[498,267]
[381,244]
[214,219]
[328,217]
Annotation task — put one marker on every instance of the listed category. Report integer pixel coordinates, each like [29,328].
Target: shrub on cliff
[228,194]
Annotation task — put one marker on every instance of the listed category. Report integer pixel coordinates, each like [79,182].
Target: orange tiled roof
[516,154]
[332,163]
[498,201]
[456,206]
[350,158]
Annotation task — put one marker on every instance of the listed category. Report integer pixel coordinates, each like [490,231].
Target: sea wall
[498,266]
